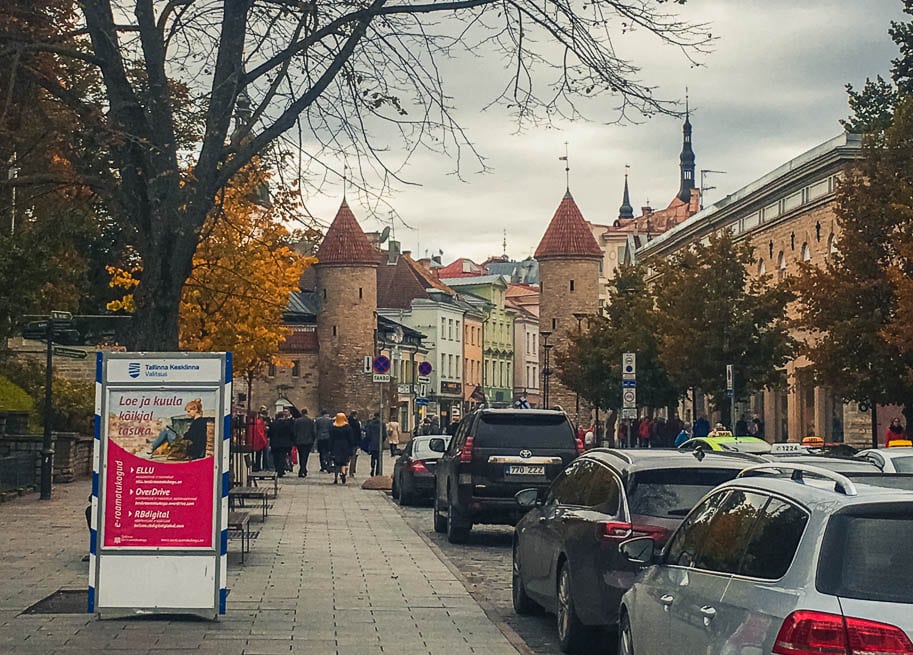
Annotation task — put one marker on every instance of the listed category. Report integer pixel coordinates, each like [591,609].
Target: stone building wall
[557,304]
[345,330]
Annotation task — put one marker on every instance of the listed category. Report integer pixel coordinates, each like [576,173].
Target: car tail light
[819,633]
[466,451]
[580,447]
[613,530]
[659,534]
[418,466]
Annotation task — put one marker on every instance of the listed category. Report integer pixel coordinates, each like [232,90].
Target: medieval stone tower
[347,292]
[569,258]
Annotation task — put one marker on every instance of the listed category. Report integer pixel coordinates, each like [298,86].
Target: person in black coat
[342,443]
[305,434]
[372,439]
[355,424]
[196,433]
[281,441]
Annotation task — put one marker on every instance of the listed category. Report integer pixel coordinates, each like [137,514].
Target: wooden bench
[240,521]
[253,477]
[237,497]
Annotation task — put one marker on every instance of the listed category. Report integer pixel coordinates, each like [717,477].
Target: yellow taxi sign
[900,443]
[813,442]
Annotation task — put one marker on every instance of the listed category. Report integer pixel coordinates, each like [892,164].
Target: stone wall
[345,331]
[72,456]
[558,302]
[301,389]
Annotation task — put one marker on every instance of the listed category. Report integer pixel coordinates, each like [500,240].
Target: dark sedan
[413,472]
[566,556]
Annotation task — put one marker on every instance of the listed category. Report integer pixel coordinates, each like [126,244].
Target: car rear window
[866,554]
[421,448]
[903,464]
[674,492]
[524,430]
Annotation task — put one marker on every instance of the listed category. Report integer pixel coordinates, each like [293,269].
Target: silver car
[788,558]
[890,460]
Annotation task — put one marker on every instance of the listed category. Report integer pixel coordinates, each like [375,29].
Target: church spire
[686,158]
[626,210]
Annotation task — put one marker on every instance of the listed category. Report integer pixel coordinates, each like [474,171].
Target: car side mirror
[437,445]
[640,550]
[528,498]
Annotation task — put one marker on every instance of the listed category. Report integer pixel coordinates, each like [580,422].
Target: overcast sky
[772,89]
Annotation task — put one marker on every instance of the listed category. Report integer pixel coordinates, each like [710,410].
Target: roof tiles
[568,235]
[345,243]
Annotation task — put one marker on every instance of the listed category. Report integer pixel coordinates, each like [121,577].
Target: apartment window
[450,329]
[457,331]
[450,365]
[443,364]
[443,328]
[296,368]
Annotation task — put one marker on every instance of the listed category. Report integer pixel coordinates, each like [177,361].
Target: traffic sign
[381,364]
[421,401]
[381,377]
[71,353]
[424,368]
[629,384]
[368,364]
[629,363]
[629,398]
[629,413]
[729,385]
[424,379]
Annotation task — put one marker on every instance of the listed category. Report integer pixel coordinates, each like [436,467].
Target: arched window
[762,268]
[831,244]
[806,253]
[781,265]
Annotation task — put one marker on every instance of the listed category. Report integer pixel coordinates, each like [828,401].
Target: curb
[509,633]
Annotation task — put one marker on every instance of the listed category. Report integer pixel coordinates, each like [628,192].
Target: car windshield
[667,493]
[903,464]
[866,554]
[524,430]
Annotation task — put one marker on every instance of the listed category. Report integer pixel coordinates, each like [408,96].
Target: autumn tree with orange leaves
[244,269]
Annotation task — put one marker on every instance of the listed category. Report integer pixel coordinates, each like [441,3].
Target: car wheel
[394,491]
[523,604]
[457,533]
[440,522]
[625,640]
[572,634]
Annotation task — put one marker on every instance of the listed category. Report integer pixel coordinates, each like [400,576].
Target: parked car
[413,471]
[494,454]
[565,550]
[898,459]
[789,559]
[845,465]
[752,445]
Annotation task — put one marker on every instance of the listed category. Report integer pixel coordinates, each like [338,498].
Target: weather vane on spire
[504,243]
[345,175]
[567,167]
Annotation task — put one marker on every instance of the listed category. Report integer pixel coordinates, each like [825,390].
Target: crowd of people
[288,439]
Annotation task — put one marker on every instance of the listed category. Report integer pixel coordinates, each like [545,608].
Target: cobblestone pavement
[485,563]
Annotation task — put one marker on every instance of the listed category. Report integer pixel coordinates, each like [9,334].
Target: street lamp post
[545,334]
[579,316]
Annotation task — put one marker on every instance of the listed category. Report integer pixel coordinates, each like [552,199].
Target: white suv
[789,559]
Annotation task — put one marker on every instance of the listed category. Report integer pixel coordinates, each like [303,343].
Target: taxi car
[896,459]
[725,441]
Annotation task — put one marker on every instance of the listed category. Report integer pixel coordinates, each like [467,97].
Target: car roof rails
[842,484]
[736,454]
[615,453]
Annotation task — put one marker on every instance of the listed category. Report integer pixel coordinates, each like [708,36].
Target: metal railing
[17,471]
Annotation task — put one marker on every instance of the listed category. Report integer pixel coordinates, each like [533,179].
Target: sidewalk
[334,569]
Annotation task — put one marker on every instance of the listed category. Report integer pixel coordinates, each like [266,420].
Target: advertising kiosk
[160,484]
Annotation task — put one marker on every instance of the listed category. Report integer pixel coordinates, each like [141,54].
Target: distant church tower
[569,258]
[626,210]
[687,161]
[347,292]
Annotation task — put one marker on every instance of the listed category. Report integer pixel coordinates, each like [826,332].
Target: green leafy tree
[873,106]
[712,312]
[357,78]
[853,306]
[590,364]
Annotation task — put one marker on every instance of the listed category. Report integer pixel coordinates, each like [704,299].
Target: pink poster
[159,470]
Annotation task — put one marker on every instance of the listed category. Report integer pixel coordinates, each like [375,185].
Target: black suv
[494,454]
[565,555]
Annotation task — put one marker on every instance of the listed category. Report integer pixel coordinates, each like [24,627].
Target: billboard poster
[160,468]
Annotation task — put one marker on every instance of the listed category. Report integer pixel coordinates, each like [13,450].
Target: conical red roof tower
[345,244]
[568,235]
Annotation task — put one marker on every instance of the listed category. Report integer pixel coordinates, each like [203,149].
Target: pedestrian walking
[741,426]
[393,435]
[372,441]
[305,435]
[681,438]
[356,440]
[342,441]
[756,427]
[645,432]
[895,432]
[281,441]
[322,426]
[256,437]
[701,427]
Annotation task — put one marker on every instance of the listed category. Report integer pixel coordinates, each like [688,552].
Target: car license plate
[525,469]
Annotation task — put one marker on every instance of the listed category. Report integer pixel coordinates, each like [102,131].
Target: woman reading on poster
[196,433]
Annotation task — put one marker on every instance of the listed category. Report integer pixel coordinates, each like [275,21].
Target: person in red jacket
[645,432]
[257,440]
[895,432]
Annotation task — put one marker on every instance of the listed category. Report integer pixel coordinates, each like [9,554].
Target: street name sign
[381,378]
[421,401]
[629,413]
[71,353]
[625,384]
